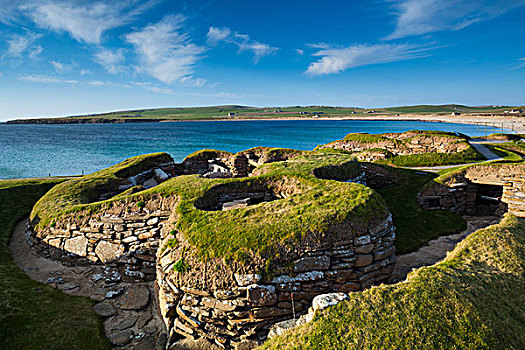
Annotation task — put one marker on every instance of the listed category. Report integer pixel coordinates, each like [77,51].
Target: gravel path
[437,249]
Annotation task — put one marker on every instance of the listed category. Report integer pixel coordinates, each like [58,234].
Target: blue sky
[61,57]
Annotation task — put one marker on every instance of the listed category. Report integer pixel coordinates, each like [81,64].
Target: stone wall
[406,143]
[244,312]
[460,192]
[125,235]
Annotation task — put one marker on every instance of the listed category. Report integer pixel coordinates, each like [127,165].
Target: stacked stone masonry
[246,311]
[460,192]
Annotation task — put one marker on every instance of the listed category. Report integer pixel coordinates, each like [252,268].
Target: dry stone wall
[244,312]
[461,191]
[124,235]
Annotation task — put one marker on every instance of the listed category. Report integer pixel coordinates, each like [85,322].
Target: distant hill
[246,112]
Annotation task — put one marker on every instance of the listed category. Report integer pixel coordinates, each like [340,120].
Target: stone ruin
[489,189]
[228,304]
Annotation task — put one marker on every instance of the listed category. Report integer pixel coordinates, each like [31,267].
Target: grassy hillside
[34,315]
[246,112]
[472,300]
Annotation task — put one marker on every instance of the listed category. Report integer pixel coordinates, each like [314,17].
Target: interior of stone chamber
[242,194]
[488,200]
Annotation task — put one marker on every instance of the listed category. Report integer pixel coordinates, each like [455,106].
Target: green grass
[472,300]
[34,315]
[468,155]
[316,205]
[415,226]
[503,152]
[87,189]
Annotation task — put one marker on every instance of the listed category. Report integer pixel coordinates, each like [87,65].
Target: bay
[42,150]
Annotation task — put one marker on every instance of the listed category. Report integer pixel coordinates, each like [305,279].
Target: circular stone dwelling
[233,242]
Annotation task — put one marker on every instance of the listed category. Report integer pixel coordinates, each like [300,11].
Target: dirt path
[437,249]
[129,308]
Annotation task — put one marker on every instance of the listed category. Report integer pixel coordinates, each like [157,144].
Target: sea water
[69,149]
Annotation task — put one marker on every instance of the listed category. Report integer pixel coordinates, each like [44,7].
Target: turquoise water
[40,150]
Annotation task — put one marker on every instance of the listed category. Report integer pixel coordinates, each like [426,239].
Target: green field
[246,112]
[34,315]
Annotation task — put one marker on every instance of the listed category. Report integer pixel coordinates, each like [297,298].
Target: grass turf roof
[472,300]
[318,207]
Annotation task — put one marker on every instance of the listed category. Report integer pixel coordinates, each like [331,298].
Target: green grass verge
[34,315]
[472,300]
[416,226]
[505,153]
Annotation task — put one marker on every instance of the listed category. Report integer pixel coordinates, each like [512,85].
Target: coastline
[515,124]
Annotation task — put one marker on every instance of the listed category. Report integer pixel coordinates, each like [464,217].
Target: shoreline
[515,124]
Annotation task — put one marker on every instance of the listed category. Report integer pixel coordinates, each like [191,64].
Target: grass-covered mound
[88,189]
[314,207]
[34,315]
[472,300]
[415,148]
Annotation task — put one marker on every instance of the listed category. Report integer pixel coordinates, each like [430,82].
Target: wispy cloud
[416,17]
[45,79]
[521,63]
[63,67]
[110,59]
[98,83]
[242,41]
[85,21]
[336,60]
[17,45]
[165,52]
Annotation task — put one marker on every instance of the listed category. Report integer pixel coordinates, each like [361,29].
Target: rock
[105,309]
[302,277]
[111,293]
[161,341]
[280,327]
[108,252]
[245,280]
[77,245]
[365,249]
[323,301]
[261,295]
[121,338]
[143,319]
[135,298]
[150,183]
[362,240]
[160,175]
[363,260]
[124,323]
[57,280]
[67,286]
[321,262]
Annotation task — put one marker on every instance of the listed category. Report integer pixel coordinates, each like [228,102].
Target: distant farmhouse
[455,113]
[514,111]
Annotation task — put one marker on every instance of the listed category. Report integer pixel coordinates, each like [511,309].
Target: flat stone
[362,240]
[124,323]
[105,309]
[108,252]
[365,249]
[77,245]
[323,301]
[321,262]
[143,319]
[280,327]
[135,298]
[67,286]
[363,259]
[246,280]
[121,338]
[261,295]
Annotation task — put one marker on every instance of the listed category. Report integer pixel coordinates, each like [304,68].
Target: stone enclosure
[229,303]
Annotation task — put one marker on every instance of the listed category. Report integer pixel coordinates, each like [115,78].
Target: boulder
[323,301]
[108,252]
[77,245]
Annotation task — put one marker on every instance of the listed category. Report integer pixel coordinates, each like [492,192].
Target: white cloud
[84,72]
[45,79]
[336,60]
[17,45]
[521,64]
[164,52]
[98,83]
[242,41]
[63,67]
[110,59]
[86,21]
[416,17]
[216,35]
[299,52]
